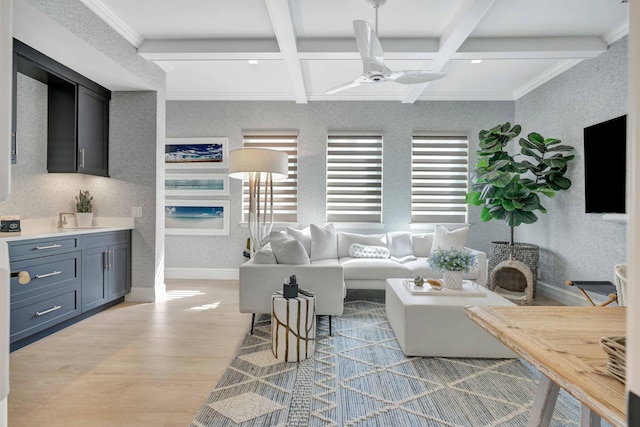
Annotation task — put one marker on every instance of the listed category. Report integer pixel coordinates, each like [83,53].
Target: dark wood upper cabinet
[78,114]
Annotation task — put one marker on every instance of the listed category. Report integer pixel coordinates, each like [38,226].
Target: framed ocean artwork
[196,184]
[196,153]
[196,217]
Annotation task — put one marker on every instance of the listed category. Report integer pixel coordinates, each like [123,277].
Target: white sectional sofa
[324,263]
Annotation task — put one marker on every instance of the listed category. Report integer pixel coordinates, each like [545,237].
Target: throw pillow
[445,239]
[323,242]
[363,251]
[422,244]
[264,256]
[303,236]
[345,240]
[400,243]
[287,249]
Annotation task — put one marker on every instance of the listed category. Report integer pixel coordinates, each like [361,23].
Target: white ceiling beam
[283,26]
[451,41]
[531,48]
[395,49]
[209,49]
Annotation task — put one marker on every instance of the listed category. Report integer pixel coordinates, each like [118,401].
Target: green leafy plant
[452,259]
[83,202]
[509,189]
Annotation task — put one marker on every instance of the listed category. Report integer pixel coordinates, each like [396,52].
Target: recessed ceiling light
[476,61]
[253,61]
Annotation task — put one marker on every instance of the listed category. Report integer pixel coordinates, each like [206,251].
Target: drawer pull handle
[39,248]
[54,308]
[42,276]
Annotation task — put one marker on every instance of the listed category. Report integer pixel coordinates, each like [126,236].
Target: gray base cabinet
[69,276]
[106,270]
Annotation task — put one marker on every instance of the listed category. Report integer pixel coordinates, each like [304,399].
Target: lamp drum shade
[245,161]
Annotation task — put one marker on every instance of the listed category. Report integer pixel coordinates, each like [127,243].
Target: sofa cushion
[323,242]
[364,251]
[372,268]
[287,249]
[303,236]
[445,239]
[399,243]
[422,244]
[345,240]
[264,256]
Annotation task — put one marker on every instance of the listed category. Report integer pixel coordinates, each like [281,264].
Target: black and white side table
[293,326]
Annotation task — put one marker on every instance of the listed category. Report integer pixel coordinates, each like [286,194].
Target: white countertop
[48,227]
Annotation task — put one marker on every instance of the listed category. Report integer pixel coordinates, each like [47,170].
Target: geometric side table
[293,327]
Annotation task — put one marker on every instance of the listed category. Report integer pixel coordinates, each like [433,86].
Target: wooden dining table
[563,343]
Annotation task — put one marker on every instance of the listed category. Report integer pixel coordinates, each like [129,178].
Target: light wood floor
[134,364]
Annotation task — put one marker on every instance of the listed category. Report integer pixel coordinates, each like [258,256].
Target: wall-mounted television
[605,166]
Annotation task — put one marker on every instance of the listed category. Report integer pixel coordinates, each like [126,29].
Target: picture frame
[196,184]
[196,153]
[197,217]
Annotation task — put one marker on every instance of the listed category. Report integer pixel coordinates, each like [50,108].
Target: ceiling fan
[374,70]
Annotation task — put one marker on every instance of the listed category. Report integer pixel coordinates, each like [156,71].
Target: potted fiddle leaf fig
[509,187]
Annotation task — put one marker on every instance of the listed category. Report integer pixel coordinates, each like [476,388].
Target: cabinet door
[119,271]
[95,288]
[93,133]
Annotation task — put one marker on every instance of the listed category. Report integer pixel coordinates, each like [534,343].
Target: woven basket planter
[526,253]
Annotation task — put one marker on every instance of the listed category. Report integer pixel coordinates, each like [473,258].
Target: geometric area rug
[360,377]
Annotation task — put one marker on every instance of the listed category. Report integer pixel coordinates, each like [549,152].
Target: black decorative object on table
[290,290]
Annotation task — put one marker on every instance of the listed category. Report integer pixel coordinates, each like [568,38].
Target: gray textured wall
[575,245]
[136,137]
[395,120]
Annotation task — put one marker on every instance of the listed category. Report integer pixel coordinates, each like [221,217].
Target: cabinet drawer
[42,247]
[32,315]
[105,239]
[47,274]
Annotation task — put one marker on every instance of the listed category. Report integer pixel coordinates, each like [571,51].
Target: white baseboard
[201,273]
[3,412]
[565,296]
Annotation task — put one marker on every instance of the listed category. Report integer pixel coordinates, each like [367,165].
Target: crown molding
[114,21]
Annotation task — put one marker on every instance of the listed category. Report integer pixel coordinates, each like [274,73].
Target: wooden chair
[602,288]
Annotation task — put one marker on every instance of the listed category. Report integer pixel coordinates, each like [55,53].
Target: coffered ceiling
[305,47]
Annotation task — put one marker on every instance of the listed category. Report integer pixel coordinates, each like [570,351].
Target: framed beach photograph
[197,217]
[196,153]
[196,184]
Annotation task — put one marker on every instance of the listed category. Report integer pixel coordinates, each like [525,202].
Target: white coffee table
[436,325]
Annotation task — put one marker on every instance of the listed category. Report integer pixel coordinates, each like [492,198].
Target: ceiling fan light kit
[372,54]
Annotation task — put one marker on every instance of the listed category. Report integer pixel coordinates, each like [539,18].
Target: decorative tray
[469,289]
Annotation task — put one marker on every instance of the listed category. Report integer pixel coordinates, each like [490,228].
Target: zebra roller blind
[285,192]
[439,177]
[354,178]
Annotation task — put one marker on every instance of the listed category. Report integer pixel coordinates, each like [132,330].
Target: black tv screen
[605,166]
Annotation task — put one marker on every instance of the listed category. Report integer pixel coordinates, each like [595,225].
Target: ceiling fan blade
[354,83]
[408,77]
[369,46]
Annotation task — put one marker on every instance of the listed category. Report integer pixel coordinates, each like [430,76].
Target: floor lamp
[260,166]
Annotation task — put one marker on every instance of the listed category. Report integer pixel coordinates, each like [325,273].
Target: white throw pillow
[303,236]
[264,256]
[445,239]
[364,251]
[287,249]
[323,242]
[422,244]
[345,240]
[400,243]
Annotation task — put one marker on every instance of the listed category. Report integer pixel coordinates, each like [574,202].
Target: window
[354,178]
[439,176]
[285,192]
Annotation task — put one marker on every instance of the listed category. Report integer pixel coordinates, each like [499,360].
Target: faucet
[62,220]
